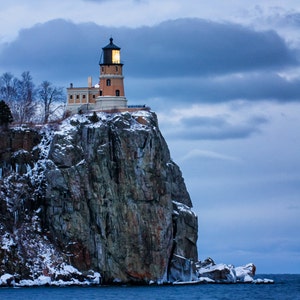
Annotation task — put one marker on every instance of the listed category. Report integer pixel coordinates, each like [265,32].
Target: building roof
[111,45]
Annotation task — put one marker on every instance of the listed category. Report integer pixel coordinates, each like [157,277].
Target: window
[77,96]
[117,93]
[94,96]
[117,69]
[108,82]
[115,56]
[100,93]
[71,96]
[102,68]
[83,96]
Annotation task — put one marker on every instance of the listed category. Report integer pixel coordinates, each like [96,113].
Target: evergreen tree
[5,114]
[94,118]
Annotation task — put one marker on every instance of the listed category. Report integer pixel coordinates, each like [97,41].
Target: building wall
[113,73]
[111,69]
[82,95]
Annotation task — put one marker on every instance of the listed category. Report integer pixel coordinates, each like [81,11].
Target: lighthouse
[109,93]
[111,83]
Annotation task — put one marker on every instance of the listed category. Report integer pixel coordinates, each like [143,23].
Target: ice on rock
[208,271]
[7,279]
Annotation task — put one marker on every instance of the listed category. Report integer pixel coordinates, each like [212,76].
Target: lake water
[285,287]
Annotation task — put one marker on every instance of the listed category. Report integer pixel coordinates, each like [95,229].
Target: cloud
[207,154]
[56,49]
[255,86]
[101,1]
[210,132]
[212,127]
[198,47]
[185,60]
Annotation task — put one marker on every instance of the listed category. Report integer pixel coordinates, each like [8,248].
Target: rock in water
[102,194]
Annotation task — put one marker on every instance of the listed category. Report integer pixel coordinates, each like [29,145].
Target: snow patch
[7,242]
[183,208]
[66,276]
[6,279]
[264,281]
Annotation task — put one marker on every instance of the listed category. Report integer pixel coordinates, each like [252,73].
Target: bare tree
[52,99]
[21,95]
[8,87]
[25,106]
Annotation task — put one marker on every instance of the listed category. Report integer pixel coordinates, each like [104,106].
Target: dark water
[285,287]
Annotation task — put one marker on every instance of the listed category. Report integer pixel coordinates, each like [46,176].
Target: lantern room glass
[115,56]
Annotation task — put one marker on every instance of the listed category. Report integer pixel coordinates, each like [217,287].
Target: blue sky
[224,80]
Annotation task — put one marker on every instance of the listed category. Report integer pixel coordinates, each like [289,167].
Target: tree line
[29,103]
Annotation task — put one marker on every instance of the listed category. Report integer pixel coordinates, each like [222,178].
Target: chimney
[90,84]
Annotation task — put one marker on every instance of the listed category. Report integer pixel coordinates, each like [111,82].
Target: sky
[224,80]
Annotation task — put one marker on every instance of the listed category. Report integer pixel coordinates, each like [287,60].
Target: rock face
[99,193]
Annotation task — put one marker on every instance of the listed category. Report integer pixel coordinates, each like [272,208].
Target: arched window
[108,82]
[117,93]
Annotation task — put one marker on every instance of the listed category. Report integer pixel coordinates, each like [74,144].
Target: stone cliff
[97,192]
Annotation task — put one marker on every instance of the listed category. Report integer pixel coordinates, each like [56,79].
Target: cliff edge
[97,196]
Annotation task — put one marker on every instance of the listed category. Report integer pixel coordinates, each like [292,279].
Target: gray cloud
[215,128]
[251,86]
[189,60]
[57,49]
[100,1]
[198,47]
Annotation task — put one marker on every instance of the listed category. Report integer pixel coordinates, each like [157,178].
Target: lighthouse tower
[111,84]
[109,93]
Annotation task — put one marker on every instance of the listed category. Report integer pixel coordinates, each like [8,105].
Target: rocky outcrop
[210,272]
[16,150]
[99,193]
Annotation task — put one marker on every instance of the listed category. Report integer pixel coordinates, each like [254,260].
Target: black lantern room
[111,54]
